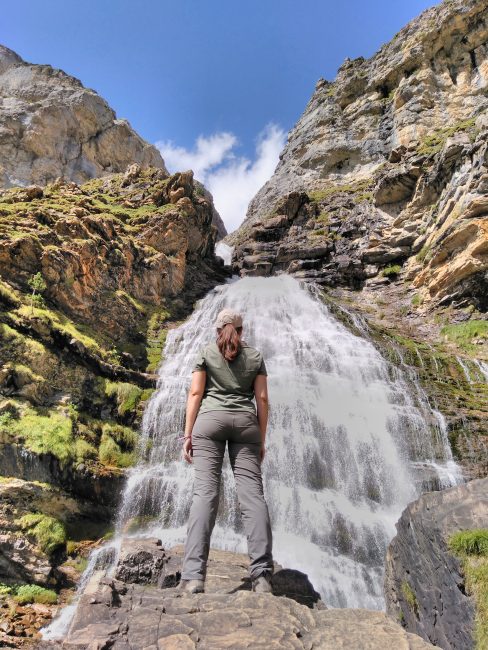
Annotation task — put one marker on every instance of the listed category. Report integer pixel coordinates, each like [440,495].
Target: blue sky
[186,69]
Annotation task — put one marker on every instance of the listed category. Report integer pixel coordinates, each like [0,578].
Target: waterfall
[351,441]
[224,251]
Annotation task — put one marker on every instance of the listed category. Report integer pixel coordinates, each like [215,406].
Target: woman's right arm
[261,395]
[195,395]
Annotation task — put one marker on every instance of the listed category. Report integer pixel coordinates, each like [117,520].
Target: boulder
[424,584]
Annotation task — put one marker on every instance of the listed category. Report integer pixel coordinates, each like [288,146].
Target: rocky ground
[141,607]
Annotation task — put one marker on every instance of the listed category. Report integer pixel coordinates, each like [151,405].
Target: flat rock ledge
[141,608]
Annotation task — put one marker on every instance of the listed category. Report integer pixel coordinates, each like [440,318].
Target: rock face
[424,585]
[388,164]
[141,608]
[52,126]
[118,261]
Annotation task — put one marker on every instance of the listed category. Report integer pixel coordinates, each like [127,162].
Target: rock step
[124,615]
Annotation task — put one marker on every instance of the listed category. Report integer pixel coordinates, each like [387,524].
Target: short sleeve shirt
[229,385]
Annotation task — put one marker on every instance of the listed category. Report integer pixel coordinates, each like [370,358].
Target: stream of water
[352,440]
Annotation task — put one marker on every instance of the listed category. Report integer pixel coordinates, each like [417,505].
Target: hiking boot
[262,584]
[192,586]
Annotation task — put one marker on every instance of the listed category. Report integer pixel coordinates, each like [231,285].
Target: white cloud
[233,180]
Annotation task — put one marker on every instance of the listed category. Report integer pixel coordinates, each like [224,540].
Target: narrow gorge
[362,271]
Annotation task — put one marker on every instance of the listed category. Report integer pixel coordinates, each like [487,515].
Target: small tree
[36,283]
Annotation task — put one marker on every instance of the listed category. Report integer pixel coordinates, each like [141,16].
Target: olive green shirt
[229,385]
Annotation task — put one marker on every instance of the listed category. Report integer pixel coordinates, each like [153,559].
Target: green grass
[35,594]
[463,333]
[58,322]
[156,338]
[117,445]
[8,295]
[49,533]
[131,300]
[324,217]
[410,597]
[417,300]
[424,254]
[434,142]
[470,542]
[361,187]
[83,451]
[471,547]
[127,396]
[52,433]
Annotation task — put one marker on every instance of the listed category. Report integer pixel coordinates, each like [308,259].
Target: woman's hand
[262,452]
[187,450]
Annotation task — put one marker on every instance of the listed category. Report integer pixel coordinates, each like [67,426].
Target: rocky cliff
[388,162]
[91,278]
[51,125]
[380,197]
[427,588]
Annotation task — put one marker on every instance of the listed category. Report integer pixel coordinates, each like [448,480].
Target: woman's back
[229,384]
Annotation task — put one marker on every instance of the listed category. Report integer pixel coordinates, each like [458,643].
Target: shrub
[391,270]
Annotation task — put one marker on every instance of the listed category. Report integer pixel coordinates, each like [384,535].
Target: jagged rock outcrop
[51,126]
[146,611]
[91,278]
[388,164]
[424,583]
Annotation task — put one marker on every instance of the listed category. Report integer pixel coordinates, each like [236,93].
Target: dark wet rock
[424,584]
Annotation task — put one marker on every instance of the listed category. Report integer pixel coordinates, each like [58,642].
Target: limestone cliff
[380,197]
[51,125]
[388,164]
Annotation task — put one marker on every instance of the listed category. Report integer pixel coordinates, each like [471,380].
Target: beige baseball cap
[228,316]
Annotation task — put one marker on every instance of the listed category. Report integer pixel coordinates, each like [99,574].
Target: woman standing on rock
[225,378]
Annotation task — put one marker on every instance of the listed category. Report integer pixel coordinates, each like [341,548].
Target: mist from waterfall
[351,441]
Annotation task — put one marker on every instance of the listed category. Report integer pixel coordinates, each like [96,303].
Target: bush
[391,270]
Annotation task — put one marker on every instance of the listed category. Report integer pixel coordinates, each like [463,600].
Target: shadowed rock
[424,584]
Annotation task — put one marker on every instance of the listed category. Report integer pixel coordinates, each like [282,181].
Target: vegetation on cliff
[471,546]
[91,279]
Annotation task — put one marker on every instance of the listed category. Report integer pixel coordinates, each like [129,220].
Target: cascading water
[349,434]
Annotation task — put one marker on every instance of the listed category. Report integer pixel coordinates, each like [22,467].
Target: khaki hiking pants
[211,431]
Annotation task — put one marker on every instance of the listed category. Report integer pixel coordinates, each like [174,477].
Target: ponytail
[228,341]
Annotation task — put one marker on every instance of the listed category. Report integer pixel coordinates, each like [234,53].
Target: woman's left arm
[195,395]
